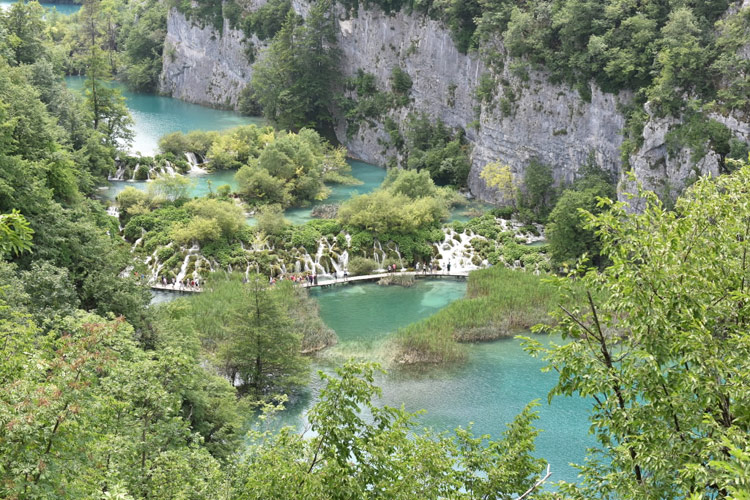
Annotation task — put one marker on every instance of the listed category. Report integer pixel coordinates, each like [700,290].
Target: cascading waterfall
[400,261]
[458,253]
[344,259]
[168,168]
[379,258]
[192,160]
[138,241]
[119,174]
[183,270]
[319,255]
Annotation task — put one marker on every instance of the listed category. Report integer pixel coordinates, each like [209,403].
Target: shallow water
[488,390]
[63,8]
[493,386]
[156,116]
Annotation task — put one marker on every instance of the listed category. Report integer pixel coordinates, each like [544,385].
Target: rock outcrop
[202,65]
[528,117]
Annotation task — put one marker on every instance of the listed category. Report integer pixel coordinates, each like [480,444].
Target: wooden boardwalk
[334,282]
[175,288]
[376,277]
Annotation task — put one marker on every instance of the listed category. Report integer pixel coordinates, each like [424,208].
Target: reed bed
[500,302]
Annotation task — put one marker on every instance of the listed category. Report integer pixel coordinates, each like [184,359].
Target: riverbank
[500,302]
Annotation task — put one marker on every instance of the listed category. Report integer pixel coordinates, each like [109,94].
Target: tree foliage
[407,202]
[352,456]
[566,231]
[659,344]
[15,234]
[293,83]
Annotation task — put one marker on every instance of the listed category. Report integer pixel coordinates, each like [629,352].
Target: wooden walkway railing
[332,282]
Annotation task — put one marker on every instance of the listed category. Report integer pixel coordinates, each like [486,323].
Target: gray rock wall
[204,66]
[547,121]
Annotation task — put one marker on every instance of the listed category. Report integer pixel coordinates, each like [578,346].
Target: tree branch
[537,484]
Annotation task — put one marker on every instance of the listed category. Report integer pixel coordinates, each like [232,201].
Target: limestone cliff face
[544,121]
[204,66]
[528,117]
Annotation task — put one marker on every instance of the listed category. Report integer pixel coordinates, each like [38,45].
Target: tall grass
[499,303]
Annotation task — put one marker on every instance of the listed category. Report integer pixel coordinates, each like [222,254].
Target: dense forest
[103,395]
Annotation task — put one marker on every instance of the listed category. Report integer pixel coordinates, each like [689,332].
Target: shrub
[401,82]
[360,266]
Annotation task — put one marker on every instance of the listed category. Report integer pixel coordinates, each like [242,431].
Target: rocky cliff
[528,117]
[202,65]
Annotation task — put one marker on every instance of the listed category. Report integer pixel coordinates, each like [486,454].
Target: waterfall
[138,241]
[119,174]
[337,268]
[379,259]
[309,263]
[183,270]
[458,253]
[192,161]
[344,259]
[168,168]
[135,169]
[319,255]
[113,211]
[400,261]
[195,168]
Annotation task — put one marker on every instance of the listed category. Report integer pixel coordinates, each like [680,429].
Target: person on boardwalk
[416,267]
[449,267]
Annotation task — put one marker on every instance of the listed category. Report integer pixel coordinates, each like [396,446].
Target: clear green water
[202,184]
[472,209]
[156,115]
[495,384]
[370,175]
[63,8]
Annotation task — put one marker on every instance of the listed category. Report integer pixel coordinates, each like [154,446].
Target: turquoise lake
[156,116]
[63,8]
[489,390]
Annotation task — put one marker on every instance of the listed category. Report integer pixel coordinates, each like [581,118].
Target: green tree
[15,234]
[25,31]
[567,234]
[293,82]
[352,456]
[144,32]
[252,338]
[565,231]
[679,62]
[271,219]
[106,107]
[659,345]
[170,187]
[537,194]
[257,185]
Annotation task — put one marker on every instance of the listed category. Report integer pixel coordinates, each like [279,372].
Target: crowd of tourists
[193,284]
